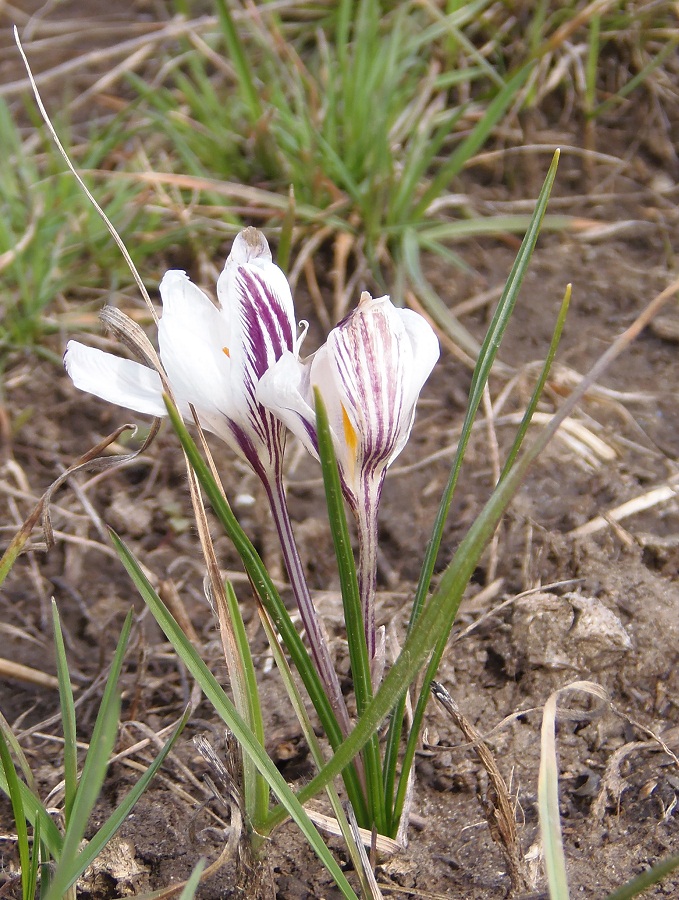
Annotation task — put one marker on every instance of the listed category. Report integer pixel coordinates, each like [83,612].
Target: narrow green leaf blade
[34,812]
[16,799]
[537,390]
[484,365]
[475,140]
[67,717]
[191,886]
[351,601]
[647,879]
[548,805]
[94,771]
[259,807]
[94,847]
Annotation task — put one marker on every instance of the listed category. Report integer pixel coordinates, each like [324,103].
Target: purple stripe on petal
[267,328]
[253,454]
[370,363]
[266,331]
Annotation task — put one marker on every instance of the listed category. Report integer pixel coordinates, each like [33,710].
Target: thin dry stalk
[497,805]
[9,669]
[631,507]
[176,28]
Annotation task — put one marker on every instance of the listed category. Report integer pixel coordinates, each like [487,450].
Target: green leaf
[93,773]
[270,599]
[548,805]
[18,542]
[259,805]
[32,880]
[19,755]
[314,746]
[67,717]
[537,390]
[484,366]
[647,879]
[191,886]
[351,601]
[339,529]
[16,799]
[34,811]
[239,59]
[475,140]
[431,624]
[97,843]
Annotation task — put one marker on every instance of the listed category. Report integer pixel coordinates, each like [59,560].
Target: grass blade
[260,806]
[19,541]
[93,773]
[67,718]
[314,746]
[537,391]
[270,599]
[548,805]
[647,879]
[19,755]
[410,251]
[238,56]
[35,862]
[492,115]
[480,377]
[339,529]
[17,801]
[191,885]
[351,601]
[122,811]
[33,808]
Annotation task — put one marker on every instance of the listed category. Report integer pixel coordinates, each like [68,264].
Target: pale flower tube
[369,373]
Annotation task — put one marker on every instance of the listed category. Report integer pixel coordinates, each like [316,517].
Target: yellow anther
[350,435]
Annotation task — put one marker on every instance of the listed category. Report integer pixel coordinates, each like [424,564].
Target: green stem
[358,623]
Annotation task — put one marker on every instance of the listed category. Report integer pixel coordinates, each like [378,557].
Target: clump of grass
[49,857]
[52,246]
[369,110]
[368,117]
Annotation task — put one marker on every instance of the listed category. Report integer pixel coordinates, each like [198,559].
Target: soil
[546,607]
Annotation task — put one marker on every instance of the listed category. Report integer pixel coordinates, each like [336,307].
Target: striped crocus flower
[370,373]
[213,357]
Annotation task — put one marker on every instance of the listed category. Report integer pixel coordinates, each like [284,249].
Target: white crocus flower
[370,373]
[213,357]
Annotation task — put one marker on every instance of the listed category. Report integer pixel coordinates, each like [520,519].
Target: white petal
[425,351]
[116,380]
[285,390]
[250,245]
[194,346]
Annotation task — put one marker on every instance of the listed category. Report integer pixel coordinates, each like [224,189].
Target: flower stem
[307,610]
[366,526]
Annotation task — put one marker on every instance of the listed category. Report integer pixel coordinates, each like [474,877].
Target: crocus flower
[213,357]
[370,373]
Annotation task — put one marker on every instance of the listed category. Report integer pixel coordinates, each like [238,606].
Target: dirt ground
[602,606]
